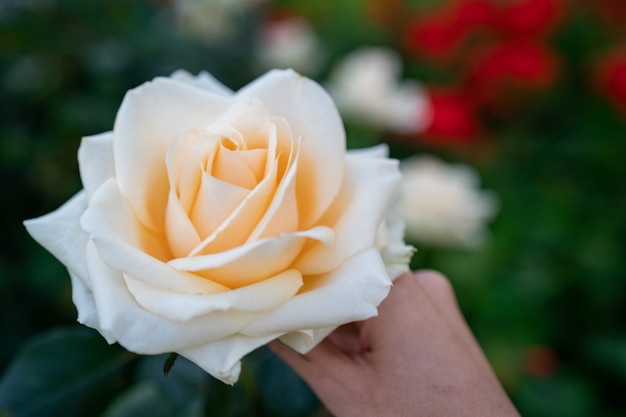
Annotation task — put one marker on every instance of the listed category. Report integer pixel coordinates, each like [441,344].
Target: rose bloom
[452,118]
[213,222]
[290,42]
[367,88]
[442,204]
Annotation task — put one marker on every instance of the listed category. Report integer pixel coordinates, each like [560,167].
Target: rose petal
[148,120]
[95,160]
[304,340]
[282,214]
[60,233]
[119,239]
[252,262]
[312,116]
[203,80]
[85,305]
[349,293]
[141,331]
[255,298]
[369,187]
[182,235]
[234,231]
[215,201]
[222,358]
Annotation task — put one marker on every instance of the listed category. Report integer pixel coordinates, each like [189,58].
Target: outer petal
[368,190]
[252,262]
[119,239]
[60,233]
[150,117]
[141,331]
[255,298]
[349,293]
[95,160]
[312,116]
[222,358]
[85,304]
[203,80]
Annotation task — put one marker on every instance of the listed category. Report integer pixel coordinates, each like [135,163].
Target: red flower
[453,119]
[610,78]
[528,18]
[504,72]
[437,34]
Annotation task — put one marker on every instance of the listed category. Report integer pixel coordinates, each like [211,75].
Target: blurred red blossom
[438,33]
[502,72]
[528,18]
[609,77]
[453,118]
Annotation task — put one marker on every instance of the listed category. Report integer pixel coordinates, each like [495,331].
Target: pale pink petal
[149,119]
[95,161]
[312,116]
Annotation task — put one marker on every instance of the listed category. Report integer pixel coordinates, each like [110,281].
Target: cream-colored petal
[234,231]
[304,340]
[222,358]
[349,293]
[252,262]
[141,331]
[95,161]
[230,167]
[369,188]
[118,237]
[61,234]
[249,117]
[149,119]
[255,298]
[83,299]
[216,200]
[203,80]
[282,213]
[312,116]
[181,233]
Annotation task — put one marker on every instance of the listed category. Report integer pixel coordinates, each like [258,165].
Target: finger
[347,339]
[441,292]
[325,368]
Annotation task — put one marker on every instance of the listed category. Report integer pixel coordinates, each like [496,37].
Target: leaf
[281,390]
[65,372]
[147,399]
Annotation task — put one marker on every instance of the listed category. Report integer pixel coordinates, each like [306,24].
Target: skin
[418,357]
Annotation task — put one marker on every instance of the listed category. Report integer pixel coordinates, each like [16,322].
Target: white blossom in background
[442,204]
[367,88]
[210,20]
[290,43]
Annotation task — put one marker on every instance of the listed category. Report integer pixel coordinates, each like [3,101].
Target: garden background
[534,100]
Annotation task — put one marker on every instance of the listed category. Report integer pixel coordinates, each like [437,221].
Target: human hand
[417,357]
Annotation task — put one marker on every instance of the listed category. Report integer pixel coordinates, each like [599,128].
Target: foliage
[545,295]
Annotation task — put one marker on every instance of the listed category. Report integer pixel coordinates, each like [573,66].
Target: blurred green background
[546,294]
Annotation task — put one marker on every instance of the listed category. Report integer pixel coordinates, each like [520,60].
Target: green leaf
[148,399]
[281,391]
[65,372]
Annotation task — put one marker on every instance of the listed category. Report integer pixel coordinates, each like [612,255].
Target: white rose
[442,204]
[290,43]
[366,86]
[213,222]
